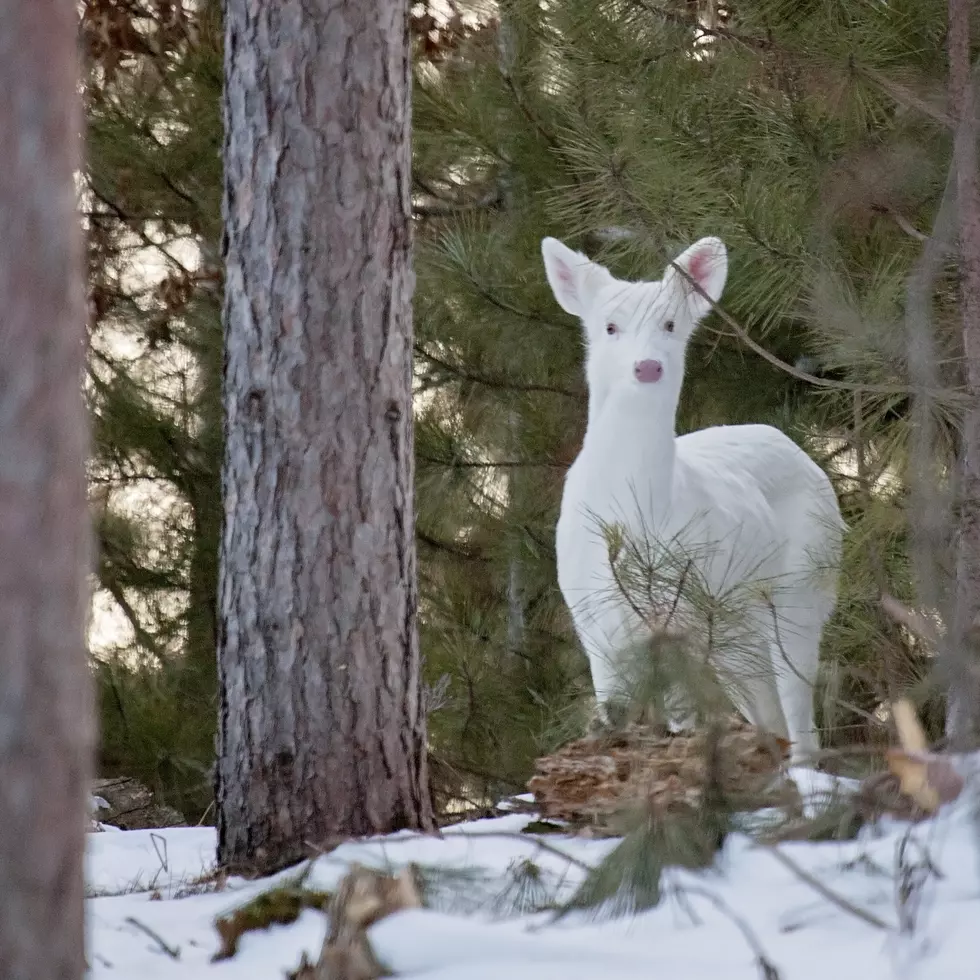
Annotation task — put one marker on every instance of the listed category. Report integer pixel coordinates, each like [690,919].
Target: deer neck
[630,447]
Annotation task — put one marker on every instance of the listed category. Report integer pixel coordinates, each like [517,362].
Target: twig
[445,209]
[527,839]
[902,222]
[130,221]
[658,623]
[453,549]
[161,850]
[493,464]
[528,114]
[500,835]
[777,639]
[627,595]
[766,967]
[742,334]
[849,752]
[910,881]
[682,582]
[707,30]
[913,621]
[491,382]
[172,951]
[905,97]
[818,886]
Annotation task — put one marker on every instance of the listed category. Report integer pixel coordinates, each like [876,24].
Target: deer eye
[612,329]
[669,326]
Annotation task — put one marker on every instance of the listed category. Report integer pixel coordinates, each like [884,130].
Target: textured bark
[322,728]
[46,730]
[963,714]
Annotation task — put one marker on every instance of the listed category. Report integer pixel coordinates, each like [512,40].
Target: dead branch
[818,886]
[914,622]
[172,951]
[767,969]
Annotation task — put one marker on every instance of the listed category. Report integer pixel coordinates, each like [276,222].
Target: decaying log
[588,780]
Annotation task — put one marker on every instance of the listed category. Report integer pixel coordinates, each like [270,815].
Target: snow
[150,888]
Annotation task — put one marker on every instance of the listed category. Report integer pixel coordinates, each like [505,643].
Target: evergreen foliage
[809,136]
[152,202]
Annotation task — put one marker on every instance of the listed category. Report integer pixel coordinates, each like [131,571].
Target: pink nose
[647,371]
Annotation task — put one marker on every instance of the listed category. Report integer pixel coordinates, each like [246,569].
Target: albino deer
[746,495]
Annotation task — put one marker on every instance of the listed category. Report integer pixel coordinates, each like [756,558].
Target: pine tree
[322,730]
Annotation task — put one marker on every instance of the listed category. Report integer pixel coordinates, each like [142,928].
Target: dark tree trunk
[46,728]
[963,714]
[322,727]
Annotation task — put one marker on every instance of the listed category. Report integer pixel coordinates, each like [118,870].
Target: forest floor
[898,901]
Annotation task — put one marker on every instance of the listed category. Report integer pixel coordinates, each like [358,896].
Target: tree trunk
[322,727]
[46,730]
[963,712]
[514,50]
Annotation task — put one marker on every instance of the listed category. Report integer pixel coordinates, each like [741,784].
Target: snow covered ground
[148,920]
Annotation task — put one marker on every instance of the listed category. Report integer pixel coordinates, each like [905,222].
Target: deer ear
[706,262]
[568,275]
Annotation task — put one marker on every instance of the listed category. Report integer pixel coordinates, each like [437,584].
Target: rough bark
[46,730]
[963,713]
[322,727]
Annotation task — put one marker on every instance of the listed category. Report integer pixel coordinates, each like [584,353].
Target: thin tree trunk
[508,43]
[202,623]
[46,728]
[963,714]
[322,727]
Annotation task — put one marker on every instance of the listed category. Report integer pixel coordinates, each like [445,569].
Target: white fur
[746,497]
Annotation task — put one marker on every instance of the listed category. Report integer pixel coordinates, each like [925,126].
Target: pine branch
[536,123]
[143,637]
[135,225]
[500,384]
[490,464]
[905,97]
[777,639]
[448,209]
[693,23]
[740,333]
[900,94]
[516,311]
[452,549]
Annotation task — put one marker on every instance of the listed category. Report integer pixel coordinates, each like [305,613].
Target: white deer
[745,497]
